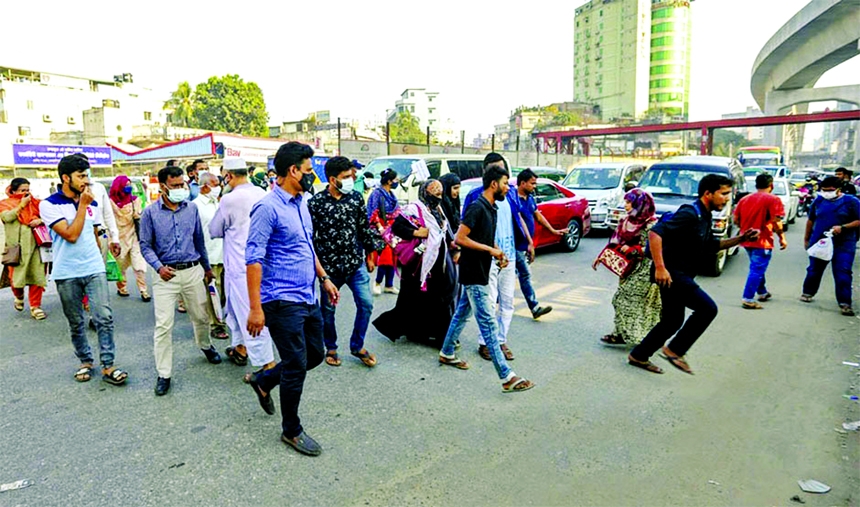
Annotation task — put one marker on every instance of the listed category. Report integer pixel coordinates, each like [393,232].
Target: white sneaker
[377,289]
[392,290]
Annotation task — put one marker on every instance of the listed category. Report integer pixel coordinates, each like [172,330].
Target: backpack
[665,217]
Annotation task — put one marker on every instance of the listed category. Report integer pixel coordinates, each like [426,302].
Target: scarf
[117,193]
[642,214]
[451,205]
[388,200]
[436,228]
[28,214]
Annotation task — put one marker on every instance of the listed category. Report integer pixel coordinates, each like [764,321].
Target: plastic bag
[114,274]
[823,248]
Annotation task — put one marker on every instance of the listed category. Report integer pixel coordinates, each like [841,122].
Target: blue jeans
[477,296]
[72,292]
[759,260]
[843,259]
[386,273]
[359,284]
[525,275]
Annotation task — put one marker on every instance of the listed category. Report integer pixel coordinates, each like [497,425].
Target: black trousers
[684,293]
[297,332]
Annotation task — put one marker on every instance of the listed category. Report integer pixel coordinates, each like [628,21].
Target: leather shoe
[540,311]
[304,444]
[212,355]
[162,385]
[265,401]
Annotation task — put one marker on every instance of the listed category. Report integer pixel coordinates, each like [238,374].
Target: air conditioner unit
[46,118]
[70,120]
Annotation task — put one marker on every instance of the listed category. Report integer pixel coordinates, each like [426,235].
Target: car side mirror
[630,185]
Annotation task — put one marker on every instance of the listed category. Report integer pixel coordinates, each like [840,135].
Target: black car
[675,181]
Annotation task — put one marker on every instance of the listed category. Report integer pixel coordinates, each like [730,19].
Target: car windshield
[682,182]
[754,159]
[593,178]
[779,188]
[403,166]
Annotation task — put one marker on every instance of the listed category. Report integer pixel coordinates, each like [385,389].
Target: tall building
[633,55]
[424,106]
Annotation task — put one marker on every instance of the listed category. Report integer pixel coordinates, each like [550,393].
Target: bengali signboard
[50,154]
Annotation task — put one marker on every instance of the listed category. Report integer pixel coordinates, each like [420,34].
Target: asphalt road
[759,414]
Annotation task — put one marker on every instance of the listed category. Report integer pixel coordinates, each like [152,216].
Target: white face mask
[347,185]
[829,195]
[215,192]
[177,195]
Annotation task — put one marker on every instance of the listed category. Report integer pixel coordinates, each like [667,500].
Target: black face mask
[307,181]
[432,200]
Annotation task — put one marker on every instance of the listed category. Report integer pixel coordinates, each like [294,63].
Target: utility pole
[428,138]
[338,135]
[388,138]
[462,142]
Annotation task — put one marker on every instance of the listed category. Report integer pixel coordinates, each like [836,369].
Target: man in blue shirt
[78,266]
[527,212]
[282,267]
[172,242]
[840,214]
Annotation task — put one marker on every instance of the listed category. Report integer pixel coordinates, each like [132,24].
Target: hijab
[436,230]
[641,215]
[28,214]
[117,191]
[383,201]
[451,205]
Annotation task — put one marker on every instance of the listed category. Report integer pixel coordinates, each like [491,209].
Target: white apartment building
[41,108]
[424,106]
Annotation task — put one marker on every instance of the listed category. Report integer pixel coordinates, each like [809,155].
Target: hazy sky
[355,58]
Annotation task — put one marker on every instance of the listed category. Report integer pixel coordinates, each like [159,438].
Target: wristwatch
[324,278]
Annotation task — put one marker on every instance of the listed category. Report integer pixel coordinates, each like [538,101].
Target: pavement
[761,413]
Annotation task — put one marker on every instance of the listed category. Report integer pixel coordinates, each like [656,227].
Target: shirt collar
[285,196]
[161,205]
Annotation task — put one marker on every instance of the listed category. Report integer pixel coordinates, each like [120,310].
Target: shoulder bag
[12,253]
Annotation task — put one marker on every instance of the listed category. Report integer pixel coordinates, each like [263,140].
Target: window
[29,105]
[662,13]
[23,131]
[663,27]
[545,192]
[601,13]
[665,55]
[147,116]
[411,94]
[411,109]
[431,110]
[662,41]
[665,69]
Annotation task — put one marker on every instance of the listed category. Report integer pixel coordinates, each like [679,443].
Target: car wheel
[570,241]
[718,264]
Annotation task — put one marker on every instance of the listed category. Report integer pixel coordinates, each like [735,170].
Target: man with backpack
[679,244]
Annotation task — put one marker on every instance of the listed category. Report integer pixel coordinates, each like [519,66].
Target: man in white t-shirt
[79,269]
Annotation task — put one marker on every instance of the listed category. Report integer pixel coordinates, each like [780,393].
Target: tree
[182,103]
[726,142]
[229,104]
[405,129]
[566,119]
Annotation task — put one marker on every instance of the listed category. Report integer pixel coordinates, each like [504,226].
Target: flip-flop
[84,370]
[677,362]
[332,359]
[366,357]
[456,362]
[610,341]
[116,377]
[647,365]
[518,385]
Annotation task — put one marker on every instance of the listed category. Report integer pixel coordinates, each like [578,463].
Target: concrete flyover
[819,37]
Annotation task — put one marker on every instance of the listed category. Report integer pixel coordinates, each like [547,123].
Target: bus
[760,156]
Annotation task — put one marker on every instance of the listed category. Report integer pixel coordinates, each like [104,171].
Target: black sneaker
[540,311]
[162,385]
[265,401]
[212,355]
[304,444]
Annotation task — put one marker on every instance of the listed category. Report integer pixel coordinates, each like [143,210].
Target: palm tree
[182,104]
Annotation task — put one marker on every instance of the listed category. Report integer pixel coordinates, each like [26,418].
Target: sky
[355,58]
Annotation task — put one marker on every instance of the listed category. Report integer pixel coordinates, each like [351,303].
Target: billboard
[50,154]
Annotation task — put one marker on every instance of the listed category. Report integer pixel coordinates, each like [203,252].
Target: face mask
[272,179]
[829,195]
[127,190]
[432,200]
[395,185]
[216,191]
[177,195]
[307,181]
[346,185]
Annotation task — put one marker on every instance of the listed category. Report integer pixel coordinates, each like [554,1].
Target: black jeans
[297,331]
[684,293]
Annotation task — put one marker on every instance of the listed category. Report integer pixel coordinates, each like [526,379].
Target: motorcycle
[807,195]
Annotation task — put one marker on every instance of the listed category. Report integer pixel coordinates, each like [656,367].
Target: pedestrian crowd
[260,259]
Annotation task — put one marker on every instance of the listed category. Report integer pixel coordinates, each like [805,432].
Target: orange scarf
[26,215]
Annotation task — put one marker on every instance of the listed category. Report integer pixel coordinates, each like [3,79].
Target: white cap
[234,163]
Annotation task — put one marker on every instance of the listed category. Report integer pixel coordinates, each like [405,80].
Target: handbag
[619,263]
[42,235]
[408,251]
[12,253]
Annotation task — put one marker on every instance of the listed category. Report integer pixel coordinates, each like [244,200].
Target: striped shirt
[280,239]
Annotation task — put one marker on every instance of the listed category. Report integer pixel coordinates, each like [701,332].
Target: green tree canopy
[225,104]
[405,129]
[726,142]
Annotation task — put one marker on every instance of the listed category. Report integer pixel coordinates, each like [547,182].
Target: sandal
[366,357]
[234,356]
[84,374]
[509,356]
[38,314]
[145,297]
[453,361]
[805,298]
[122,293]
[181,307]
[484,352]
[517,384]
[846,310]
[114,376]
[645,365]
[19,305]
[675,360]
[611,340]
[332,359]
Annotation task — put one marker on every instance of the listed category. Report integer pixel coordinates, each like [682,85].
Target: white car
[787,194]
[604,185]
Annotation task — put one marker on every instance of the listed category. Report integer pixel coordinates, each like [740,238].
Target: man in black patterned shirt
[344,240]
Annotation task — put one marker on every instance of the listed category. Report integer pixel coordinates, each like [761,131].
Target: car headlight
[719,225]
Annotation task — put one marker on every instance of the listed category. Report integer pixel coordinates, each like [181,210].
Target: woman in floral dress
[637,300]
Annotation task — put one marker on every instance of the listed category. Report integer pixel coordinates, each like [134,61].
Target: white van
[439,164]
[603,185]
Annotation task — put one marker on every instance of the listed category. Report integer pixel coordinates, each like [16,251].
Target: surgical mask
[346,185]
[215,191]
[829,195]
[177,195]
[307,181]
[127,190]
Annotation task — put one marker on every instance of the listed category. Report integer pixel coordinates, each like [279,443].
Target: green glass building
[669,74]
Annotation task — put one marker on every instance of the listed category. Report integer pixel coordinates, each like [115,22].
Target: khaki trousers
[188,284]
[218,271]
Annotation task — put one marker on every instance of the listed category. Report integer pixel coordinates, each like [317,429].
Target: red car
[559,205]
